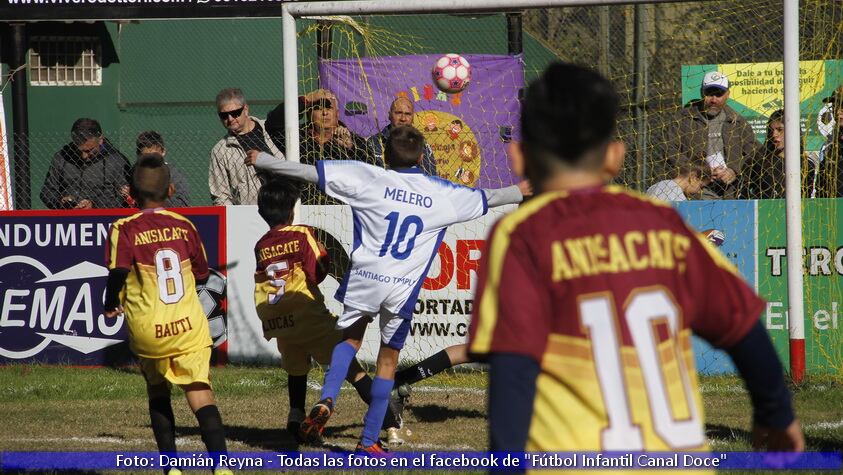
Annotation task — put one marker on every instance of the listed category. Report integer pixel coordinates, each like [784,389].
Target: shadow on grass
[336,431]
[277,440]
[437,413]
[717,431]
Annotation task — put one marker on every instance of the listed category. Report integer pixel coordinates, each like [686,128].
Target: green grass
[103,409]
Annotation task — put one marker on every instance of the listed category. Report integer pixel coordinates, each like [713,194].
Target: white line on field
[737,388]
[824,425]
[716,388]
[421,389]
[185,442]
[88,440]
[180,441]
[406,446]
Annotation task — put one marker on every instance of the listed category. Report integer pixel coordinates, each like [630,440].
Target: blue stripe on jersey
[407,310]
[320,170]
[485,201]
[358,231]
[357,234]
[400,336]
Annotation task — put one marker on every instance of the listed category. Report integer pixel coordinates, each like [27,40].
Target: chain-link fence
[656,55]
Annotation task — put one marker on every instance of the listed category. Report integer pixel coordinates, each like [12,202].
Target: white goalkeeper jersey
[399,219]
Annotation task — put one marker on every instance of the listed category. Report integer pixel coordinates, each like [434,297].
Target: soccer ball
[211,296]
[714,236]
[451,73]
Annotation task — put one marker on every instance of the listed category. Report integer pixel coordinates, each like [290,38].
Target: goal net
[659,56]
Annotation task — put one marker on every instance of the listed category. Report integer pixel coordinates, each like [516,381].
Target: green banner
[823,280]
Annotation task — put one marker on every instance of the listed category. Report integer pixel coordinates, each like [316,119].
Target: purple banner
[52,284]
[468,131]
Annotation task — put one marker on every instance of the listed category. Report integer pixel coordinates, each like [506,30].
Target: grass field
[81,409]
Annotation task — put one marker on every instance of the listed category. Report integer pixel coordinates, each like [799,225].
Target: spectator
[400,113]
[691,177]
[764,175]
[151,142]
[321,137]
[828,180]
[709,128]
[229,180]
[86,173]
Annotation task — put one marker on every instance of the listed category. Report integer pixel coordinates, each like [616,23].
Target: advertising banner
[823,280]
[52,280]
[467,131]
[52,284]
[442,310]
[736,220]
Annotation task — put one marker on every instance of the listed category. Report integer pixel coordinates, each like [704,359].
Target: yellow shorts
[180,370]
[295,356]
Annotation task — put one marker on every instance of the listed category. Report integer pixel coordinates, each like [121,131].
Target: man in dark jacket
[708,129]
[401,112]
[86,173]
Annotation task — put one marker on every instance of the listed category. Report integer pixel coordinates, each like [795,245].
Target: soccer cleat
[400,399]
[375,450]
[393,437]
[395,422]
[294,420]
[311,428]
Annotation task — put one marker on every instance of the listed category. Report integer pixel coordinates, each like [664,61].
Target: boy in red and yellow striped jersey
[291,263]
[588,295]
[155,258]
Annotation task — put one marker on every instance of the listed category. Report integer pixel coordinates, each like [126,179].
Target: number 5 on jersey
[277,273]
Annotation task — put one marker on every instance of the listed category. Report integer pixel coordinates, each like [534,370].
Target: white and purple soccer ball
[212,297]
[451,73]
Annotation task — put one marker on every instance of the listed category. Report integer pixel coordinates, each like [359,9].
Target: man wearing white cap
[708,129]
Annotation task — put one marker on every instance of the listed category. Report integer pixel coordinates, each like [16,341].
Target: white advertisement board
[442,310]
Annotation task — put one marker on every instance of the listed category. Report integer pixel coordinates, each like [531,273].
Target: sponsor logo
[39,308]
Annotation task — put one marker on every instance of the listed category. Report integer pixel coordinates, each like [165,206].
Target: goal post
[793,198]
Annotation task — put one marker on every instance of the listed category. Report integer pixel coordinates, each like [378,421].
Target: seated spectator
[229,180]
[764,175]
[828,181]
[709,128]
[152,142]
[86,173]
[401,112]
[691,177]
[321,137]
